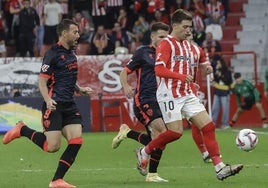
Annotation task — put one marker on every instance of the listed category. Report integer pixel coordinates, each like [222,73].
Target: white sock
[205,154]
[219,166]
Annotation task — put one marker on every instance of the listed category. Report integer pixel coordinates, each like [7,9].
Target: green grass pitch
[23,165]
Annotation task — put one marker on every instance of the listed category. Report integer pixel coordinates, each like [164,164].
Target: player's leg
[235,117]
[126,132]
[225,103]
[72,131]
[39,138]
[206,125]
[199,142]
[262,114]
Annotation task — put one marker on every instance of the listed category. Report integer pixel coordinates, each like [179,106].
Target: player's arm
[204,63]
[128,89]
[83,90]
[51,104]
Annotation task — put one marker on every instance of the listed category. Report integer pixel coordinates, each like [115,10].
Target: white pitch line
[113,169]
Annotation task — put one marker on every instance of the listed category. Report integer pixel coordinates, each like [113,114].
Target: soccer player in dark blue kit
[146,108]
[60,115]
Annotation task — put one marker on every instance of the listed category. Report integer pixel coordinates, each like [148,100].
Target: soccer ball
[246,139]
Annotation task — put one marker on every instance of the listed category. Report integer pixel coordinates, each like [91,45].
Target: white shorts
[174,109]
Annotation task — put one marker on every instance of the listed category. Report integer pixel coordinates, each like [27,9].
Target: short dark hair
[65,25]
[179,15]
[237,75]
[159,26]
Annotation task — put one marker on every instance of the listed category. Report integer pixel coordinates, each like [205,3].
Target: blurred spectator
[82,6]
[85,29]
[53,15]
[216,31]
[8,18]
[119,37]
[40,31]
[101,44]
[199,33]
[124,20]
[161,16]
[210,45]
[222,88]
[14,9]
[64,6]
[199,8]
[28,23]
[99,13]
[138,30]
[2,36]
[113,8]
[215,13]
[16,93]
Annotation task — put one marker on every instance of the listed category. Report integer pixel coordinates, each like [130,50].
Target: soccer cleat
[154,177]
[142,162]
[231,123]
[122,135]
[229,170]
[60,183]
[13,133]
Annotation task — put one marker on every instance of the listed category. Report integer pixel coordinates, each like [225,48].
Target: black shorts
[247,104]
[66,113]
[147,112]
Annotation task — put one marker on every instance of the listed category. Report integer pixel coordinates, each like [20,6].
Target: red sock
[162,140]
[198,139]
[210,141]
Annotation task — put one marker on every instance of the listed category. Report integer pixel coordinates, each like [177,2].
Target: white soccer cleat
[154,177]
[122,135]
[229,170]
[142,162]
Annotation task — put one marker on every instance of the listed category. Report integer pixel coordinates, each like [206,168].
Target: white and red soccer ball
[246,139]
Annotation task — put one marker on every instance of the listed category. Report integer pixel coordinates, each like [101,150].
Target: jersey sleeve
[203,58]
[135,62]
[163,53]
[47,67]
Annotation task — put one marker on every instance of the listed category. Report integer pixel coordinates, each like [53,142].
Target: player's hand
[189,78]
[51,104]
[129,91]
[85,91]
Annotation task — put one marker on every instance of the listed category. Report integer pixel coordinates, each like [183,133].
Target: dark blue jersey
[60,67]
[143,62]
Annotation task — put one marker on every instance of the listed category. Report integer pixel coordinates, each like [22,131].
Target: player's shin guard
[68,157]
[162,140]
[210,141]
[198,139]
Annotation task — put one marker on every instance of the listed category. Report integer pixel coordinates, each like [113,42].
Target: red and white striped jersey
[114,3]
[181,57]
[98,10]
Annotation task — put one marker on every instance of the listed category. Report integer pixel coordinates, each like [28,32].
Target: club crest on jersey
[44,68]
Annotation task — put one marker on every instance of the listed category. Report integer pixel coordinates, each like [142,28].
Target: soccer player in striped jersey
[174,69]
